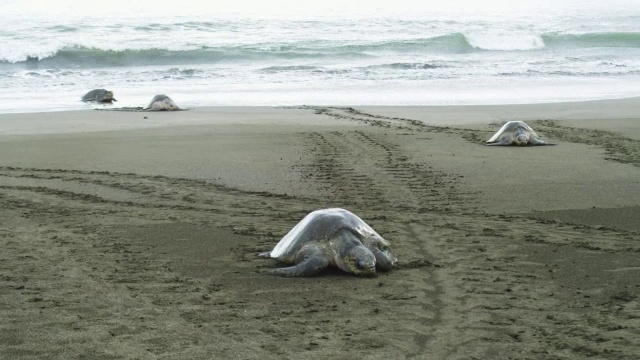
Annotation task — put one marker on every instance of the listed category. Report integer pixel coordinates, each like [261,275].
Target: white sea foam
[49,61]
[502,41]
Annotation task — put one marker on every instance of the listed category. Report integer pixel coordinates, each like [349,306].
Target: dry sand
[125,237]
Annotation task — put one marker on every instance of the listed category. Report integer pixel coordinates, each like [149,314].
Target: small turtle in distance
[516,133]
[162,103]
[99,96]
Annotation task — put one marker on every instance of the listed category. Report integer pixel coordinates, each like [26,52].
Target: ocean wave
[89,57]
[63,28]
[183,72]
[449,43]
[505,41]
[409,66]
[308,69]
[277,69]
[84,56]
[79,56]
[603,39]
[567,73]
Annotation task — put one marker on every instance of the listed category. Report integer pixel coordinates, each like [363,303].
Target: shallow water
[48,61]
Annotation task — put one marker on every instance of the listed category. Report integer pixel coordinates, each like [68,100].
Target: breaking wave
[589,40]
[79,56]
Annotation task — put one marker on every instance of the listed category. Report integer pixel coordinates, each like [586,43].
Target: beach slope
[134,235]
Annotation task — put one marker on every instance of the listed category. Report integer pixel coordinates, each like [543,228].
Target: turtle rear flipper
[312,265]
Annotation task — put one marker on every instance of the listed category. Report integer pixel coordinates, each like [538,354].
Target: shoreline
[593,132]
[113,120]
[131,237]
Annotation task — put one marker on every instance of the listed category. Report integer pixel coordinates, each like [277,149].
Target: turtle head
[522,140]
[168,104]
[351,255]
[164,104]
[105,97]
[360,261]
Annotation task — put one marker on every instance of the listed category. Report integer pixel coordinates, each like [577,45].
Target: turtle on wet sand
[516,133]
[162,103]
[334,237]
[99,96]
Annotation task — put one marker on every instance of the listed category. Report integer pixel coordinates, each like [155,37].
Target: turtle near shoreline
[99,96]
[162,103]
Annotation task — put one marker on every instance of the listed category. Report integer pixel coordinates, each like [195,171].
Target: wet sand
[134,235]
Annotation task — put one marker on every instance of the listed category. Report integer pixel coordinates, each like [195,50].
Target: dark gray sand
[133,238]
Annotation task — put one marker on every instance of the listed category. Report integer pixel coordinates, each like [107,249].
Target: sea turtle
[331,237]
[162,103]
[515,132]
[99,96]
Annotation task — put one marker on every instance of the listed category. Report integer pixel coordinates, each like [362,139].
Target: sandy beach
[133,235]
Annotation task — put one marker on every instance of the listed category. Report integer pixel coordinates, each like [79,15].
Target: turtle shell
[98,95]
[162,102]
[512,127]
[319,226]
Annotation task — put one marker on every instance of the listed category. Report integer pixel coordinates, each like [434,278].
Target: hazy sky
[277,8]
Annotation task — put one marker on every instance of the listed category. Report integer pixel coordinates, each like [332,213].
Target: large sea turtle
[331,237]
[99,96]
[515,133]
[162,103]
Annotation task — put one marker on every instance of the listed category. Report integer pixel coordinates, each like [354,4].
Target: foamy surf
[253,61]
[505,42]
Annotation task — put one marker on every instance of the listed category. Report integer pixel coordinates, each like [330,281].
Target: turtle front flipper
[533,140]
[312,265]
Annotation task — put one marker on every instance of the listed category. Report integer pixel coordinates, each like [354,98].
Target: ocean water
[48,61]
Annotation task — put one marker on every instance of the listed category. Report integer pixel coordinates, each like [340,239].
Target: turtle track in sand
[469,285]
[361,169]
[137,109]
[506,303]
[618,147]
[397,123]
